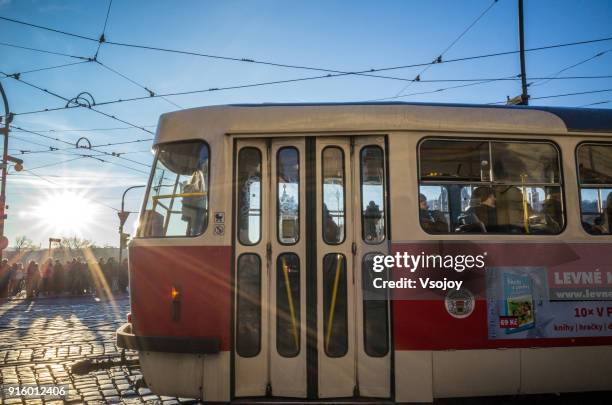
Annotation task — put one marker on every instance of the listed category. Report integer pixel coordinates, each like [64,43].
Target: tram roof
[219,120]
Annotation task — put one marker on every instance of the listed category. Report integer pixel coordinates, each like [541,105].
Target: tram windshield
[177,199]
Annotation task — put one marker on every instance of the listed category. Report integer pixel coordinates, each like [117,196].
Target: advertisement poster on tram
[526,303]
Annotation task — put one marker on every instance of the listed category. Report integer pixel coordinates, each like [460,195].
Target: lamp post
[8,117]
[123,216]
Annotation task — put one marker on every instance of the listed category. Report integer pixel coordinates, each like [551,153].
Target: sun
[65,212]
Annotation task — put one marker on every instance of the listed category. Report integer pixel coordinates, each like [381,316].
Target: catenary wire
[91,148]
[560,95]
[308,78]
[142,86]
[453,43]
[102,39]
[366,72]
[539,82]
[69,101]
[44,51]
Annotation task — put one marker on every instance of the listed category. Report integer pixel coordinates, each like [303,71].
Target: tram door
[299,238]
[352,317]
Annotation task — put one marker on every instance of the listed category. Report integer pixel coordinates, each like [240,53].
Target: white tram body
[249,275]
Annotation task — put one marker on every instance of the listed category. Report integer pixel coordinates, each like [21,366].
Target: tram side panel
[199,317]
[441,351]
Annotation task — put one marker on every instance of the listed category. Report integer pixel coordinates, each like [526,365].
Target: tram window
[595,179]
[455,161]
[333,195]
[177,199]
[249,196]
[335,311]
[595,164]
[372,166]
[375,310]
[537,162]
[248,305]
[517,192]
[288,305]
[288,191]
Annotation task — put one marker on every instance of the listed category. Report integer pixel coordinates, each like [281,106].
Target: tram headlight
[175,294]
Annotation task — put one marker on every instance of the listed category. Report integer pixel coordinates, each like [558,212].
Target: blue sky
[341,35]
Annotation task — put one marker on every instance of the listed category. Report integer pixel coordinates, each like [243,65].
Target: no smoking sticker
[219,230]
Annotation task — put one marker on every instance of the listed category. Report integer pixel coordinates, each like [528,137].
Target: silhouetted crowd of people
[53,278]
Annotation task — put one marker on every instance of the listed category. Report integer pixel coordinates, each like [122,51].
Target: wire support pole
[8,117]
[524,94]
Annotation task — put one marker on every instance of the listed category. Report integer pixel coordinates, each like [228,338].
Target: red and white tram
[251,275]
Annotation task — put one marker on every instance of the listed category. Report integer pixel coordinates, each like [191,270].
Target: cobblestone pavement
[41,339]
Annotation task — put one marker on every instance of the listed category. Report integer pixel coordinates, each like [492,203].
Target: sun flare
[65,212]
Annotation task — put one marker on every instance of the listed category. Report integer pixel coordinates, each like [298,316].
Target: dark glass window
[177,198]
[249,196]
[516,191]
[372,166]
[455,161]
[595,164]
[375,310]
[515,163]
[333,195]
[595,180]
[335,311]
[248,305]
[288,191]
[288,305]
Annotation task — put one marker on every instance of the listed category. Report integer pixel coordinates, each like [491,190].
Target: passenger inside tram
[603,224]
[194,206]
[432,221]
[481,216]
[553,212]
[332,230]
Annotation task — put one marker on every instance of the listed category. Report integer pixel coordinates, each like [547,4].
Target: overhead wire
[71,103]
[539,82]
[453,43]
[596,103]
[44,51]
[308,78]
[440,89]
[333,72]
[142,86]
[95,157]
[102,39]
[45,178]
[118,156]
[579,93]
[89,129]
[48,68]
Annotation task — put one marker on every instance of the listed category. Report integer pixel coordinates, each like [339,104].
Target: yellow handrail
[525,208]
[332,306]
[156,198]
[291,308]
[161,196]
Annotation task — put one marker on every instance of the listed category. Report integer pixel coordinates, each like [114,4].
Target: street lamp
[123,216]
